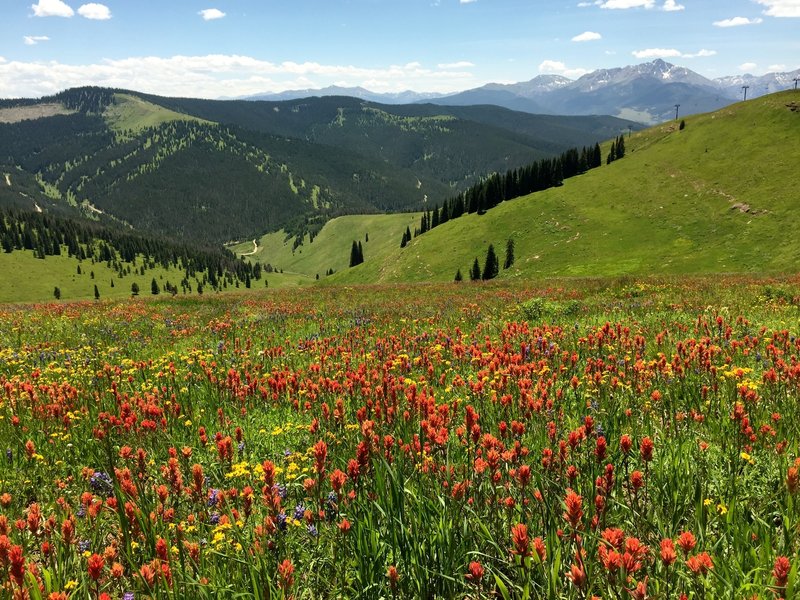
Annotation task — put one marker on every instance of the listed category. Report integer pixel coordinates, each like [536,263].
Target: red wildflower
[668,555]
[781,573]
[625,443]
[320,455]
[540,549]
[17,564]
[475,572]
[687,542]
[700,564]
[285,575]
[520,541]
[574,511]
[393,576]
[344,526]
[577,575]
[95,566]
[524,475]
[646,449]
[793,480]
[637,480]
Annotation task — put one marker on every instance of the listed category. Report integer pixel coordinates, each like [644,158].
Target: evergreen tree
[509,254]
[154,289]
[57,293]
[612,154]
[682,126]
[356,254]
[134,289]
[459,276]
[620,147]
[475,272]
[96,293]
[491,266]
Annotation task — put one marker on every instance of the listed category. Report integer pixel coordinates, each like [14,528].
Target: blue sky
[220,48]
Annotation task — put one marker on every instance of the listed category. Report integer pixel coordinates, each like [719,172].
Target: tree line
[494,189]
[49,235]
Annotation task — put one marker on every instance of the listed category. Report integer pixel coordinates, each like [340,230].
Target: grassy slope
[331,248]
[29,279]
[129,112]
[667,207]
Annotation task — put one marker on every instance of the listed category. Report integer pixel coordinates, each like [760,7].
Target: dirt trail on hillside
[255,249]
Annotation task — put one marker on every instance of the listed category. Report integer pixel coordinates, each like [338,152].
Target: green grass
[131,113]
[29,279]
[331,248]
[716,197]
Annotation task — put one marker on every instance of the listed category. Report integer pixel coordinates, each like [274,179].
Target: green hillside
[717,196]
[130,113]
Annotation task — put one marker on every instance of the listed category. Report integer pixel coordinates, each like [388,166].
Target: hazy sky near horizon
[227,48]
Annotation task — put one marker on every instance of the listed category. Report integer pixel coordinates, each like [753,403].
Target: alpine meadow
[381,301]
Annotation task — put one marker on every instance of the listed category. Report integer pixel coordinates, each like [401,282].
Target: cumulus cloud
[556,67]
[51,8]
[32,40]
[210,14]
[94,11]
[587,36]
[219,75]
[623,4]
[737,22]
[671,53]
[748,66]
[781,8]
[671,6]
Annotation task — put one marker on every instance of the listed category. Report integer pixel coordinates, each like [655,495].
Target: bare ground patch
[27,113]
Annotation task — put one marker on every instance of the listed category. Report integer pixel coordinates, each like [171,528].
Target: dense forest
[48,235]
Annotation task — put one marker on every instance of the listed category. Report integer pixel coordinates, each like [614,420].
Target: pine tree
[475,272]
[134,289]
[612,154]
[57,293]
[356,254]
[459,276]
[154,289]
[96,293]
[620,147]
[491,266]
[509,254]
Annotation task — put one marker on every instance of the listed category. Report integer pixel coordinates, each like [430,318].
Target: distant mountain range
[647,92]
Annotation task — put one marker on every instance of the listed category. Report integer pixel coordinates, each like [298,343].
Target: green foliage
[491,265]
[509,260]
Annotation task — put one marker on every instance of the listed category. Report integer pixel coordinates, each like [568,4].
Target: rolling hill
[715,197]
[215,171]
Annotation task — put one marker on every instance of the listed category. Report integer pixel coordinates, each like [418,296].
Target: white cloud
[587,36]
[94,11]
[585,4]
[210,14]
[748,66]
[462,64]
[671,6]
[657,53]
[466,1]
[781,8]
[556,67]
[51,8]
[622,4]
[32,40]
[219,75]
[671,53]
[737,22]
[776,68]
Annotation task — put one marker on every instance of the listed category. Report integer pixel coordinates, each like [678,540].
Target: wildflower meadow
[594,439]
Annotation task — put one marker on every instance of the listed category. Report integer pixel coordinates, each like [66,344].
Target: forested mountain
[215,171]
